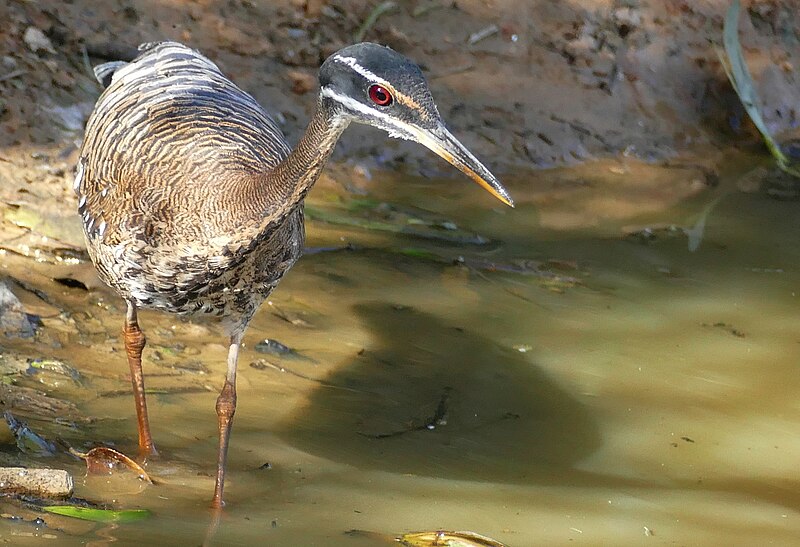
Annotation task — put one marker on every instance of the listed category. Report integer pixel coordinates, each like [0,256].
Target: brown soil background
[559,82]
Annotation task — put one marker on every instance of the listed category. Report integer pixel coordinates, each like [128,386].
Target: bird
[191,198]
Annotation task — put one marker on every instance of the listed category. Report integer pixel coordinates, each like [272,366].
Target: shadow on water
[502,419]
[660,391]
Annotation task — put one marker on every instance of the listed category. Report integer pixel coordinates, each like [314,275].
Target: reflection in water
[505,419]
[106,533]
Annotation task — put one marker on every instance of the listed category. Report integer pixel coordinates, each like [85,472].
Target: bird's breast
[209,280]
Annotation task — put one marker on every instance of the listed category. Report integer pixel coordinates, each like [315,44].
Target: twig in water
[263,364]
[439,418]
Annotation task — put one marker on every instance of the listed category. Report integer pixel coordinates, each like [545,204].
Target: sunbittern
[192,200]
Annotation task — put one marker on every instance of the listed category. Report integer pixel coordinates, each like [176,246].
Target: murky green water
[588,387]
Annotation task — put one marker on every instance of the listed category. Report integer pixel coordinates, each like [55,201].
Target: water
[631,391]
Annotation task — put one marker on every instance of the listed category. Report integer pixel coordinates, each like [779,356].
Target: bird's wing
[170,137]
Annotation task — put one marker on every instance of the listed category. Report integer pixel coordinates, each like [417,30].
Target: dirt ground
[526,84]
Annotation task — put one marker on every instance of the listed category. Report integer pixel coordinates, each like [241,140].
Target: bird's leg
[226,407]
[134,344]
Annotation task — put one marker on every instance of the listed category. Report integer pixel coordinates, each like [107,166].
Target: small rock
[272,347]
[14,321]
[37,41]
[49,483]
[70,118]
[296,33]
[28,441]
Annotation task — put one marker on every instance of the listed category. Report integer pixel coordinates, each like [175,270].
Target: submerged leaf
[98,515]
[273,347]
[103,460]
[442,538]
[55,366]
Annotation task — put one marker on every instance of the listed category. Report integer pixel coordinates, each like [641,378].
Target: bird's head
[375,85]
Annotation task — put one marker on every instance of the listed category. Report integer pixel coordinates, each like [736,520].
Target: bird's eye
[379,95]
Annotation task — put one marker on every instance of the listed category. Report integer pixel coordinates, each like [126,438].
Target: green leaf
[736,69]
[98,515]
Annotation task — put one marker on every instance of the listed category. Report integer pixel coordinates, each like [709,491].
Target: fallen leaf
[447,539]
[103,460]
[98,515]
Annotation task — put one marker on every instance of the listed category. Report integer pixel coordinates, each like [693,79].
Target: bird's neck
[285,186]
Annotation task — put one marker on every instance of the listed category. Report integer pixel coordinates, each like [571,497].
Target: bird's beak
[444,144]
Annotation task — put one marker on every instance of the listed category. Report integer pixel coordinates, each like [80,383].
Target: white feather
[396,129]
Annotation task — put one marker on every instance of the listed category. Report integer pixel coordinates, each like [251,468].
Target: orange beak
[445,145]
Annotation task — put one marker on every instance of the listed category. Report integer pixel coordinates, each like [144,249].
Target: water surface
[573,379]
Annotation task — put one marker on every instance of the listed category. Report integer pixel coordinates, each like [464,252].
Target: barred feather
[174,190]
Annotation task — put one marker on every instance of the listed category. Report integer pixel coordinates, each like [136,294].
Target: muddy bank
[527,85]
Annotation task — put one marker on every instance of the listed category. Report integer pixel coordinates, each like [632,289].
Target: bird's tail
[105,72]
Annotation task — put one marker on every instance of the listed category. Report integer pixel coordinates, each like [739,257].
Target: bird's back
[172,150]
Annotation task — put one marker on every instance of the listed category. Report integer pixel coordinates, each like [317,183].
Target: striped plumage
[184,248]
[191,198]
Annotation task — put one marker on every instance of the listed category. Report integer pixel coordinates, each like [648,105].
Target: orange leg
[226,408]
[134,344]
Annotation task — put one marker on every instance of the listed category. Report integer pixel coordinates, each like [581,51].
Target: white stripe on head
[402,129]
[368,74]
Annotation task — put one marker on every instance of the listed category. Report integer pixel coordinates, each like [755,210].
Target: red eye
[380,95]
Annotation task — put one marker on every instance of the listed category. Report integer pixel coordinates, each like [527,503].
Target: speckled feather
[182,204]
